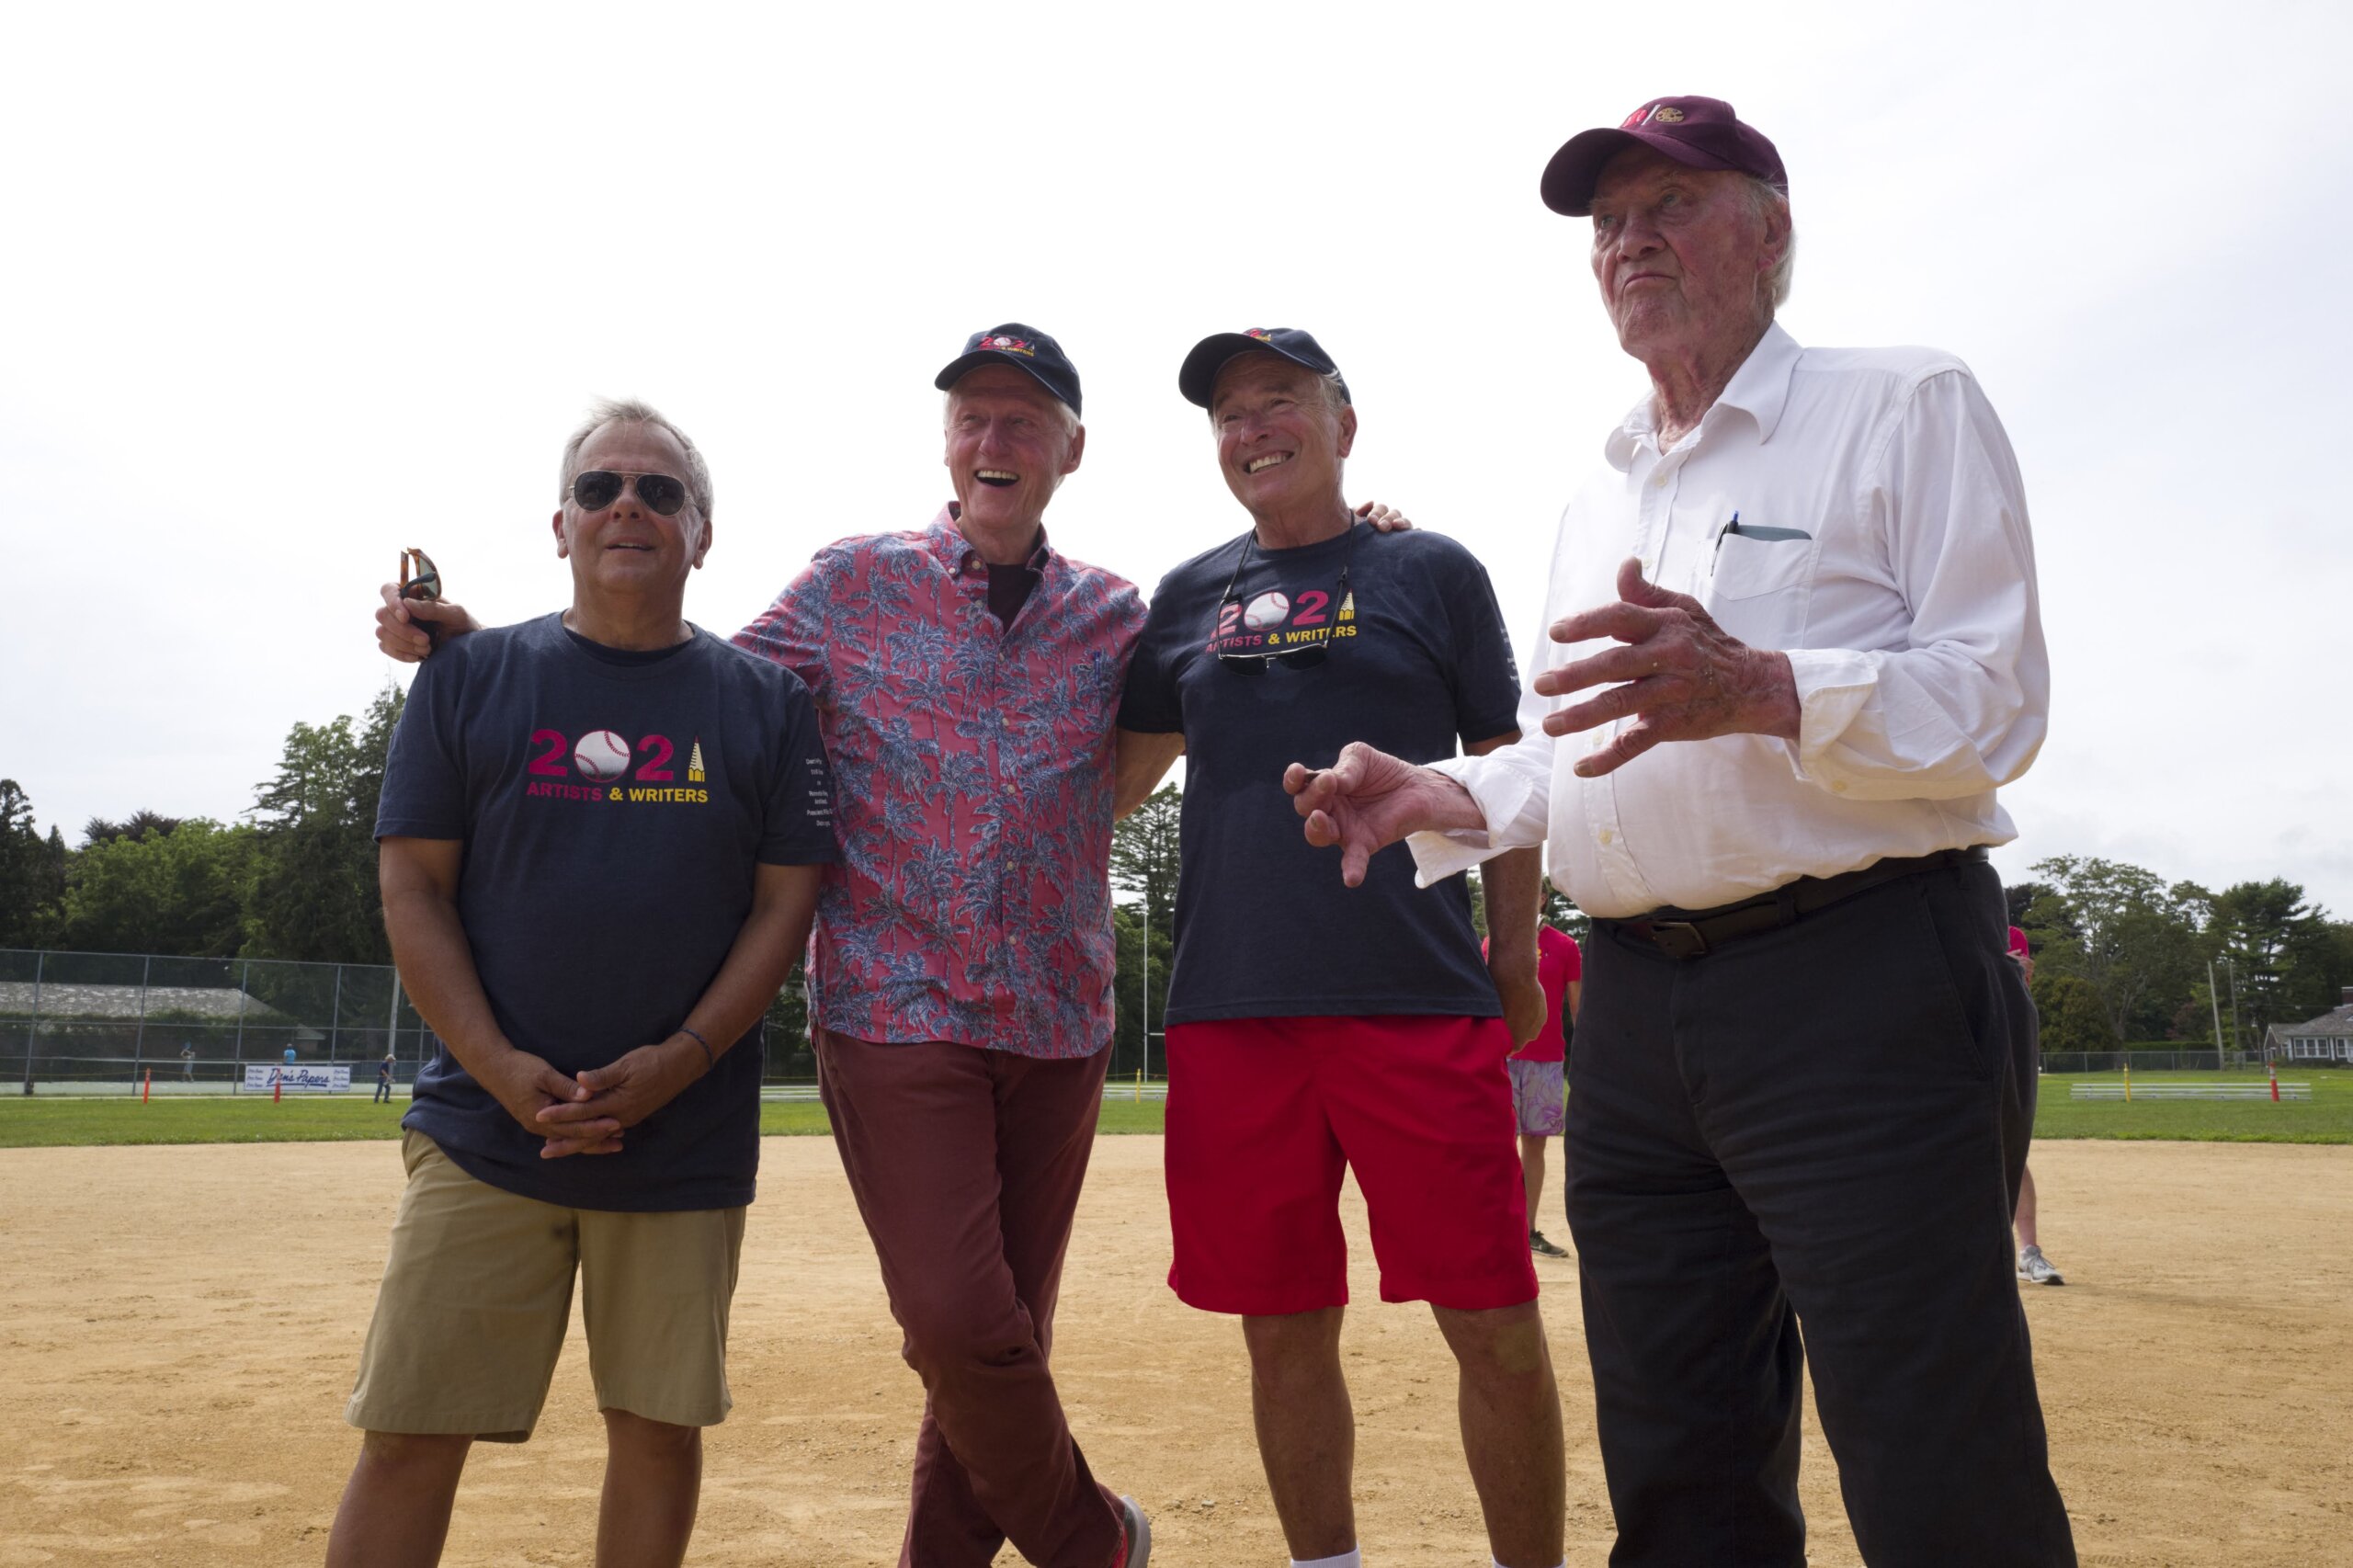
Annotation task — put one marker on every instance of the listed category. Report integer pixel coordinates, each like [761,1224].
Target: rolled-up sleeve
[1513,787]
[1962,704]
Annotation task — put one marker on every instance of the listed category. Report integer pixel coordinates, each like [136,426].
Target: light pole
[2214,999]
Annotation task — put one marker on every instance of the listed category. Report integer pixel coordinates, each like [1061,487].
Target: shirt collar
[956,554]
[1760,388]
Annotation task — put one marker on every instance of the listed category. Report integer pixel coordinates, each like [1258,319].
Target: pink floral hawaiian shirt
[973,764]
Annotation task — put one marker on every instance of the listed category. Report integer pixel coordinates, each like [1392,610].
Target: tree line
[294,878]
[2122,955]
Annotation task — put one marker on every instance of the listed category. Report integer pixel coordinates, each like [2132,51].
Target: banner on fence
[299,1080]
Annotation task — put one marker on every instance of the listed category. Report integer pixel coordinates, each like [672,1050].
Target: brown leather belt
[1694,933]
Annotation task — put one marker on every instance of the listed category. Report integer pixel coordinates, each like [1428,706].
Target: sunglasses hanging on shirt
[599,488]
[1230,618]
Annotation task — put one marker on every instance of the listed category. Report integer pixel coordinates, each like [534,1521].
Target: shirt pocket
[1747,567]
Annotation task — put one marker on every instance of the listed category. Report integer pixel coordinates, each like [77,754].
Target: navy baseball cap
[1014,344]
[1198,380]
[1703,133]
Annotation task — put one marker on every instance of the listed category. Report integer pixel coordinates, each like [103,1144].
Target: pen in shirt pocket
[1754,532]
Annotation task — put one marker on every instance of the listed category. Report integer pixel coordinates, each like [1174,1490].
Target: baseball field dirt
[181,1323]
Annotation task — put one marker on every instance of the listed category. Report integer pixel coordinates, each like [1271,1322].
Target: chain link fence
[88,1023]
[2149,1061]
[119,1023]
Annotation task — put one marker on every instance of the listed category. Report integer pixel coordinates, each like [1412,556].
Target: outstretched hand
[399,624]
[1368,799]
[1685,679]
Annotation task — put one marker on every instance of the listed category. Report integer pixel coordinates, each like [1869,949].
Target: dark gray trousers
[1814,1132]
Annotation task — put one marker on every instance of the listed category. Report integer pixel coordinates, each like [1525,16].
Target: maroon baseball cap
[1702,132]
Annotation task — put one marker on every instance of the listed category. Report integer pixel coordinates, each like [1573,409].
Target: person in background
[187,1062]
[384,1080]
[2033,1267]
[1540,1093]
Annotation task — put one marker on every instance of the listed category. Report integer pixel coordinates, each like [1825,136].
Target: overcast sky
[285,290]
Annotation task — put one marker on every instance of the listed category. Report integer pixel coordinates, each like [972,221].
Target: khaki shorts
[477,1293]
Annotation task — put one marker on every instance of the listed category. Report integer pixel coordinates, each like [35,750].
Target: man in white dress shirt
[1793,647]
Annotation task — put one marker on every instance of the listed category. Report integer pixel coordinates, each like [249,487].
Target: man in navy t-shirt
[1313,1028]
[601,834]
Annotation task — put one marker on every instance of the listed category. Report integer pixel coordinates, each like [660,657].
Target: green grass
[45,1120]
[2327,1118]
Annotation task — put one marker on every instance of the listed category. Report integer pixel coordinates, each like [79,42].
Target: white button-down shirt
[1882,541]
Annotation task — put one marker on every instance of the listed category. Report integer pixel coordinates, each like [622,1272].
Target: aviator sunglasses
[1305,658]
[599,488]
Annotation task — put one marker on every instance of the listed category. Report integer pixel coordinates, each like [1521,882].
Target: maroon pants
[966,1165]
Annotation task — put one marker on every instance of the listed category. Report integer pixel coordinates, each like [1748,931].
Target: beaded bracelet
[707,1059]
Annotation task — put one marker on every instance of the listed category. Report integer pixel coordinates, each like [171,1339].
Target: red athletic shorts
[1263,1114]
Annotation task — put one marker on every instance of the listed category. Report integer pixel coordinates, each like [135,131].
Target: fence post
[237,1072]
[245,977]
[393,1019]
[335,1019]
[32,1024]
[139,1035]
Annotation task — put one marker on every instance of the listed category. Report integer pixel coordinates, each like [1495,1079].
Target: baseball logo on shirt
[1268,609]
[601,756]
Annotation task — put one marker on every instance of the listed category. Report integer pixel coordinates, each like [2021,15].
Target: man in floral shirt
[967,676]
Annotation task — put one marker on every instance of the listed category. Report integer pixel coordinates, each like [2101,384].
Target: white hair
[629,411]
[1770,201]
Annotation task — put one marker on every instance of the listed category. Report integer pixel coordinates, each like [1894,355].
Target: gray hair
[1333,385]
[1069,415]
[1771,201]
[629,411]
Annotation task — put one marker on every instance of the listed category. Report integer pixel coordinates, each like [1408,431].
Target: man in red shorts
[1314,1028]
[1540,1090]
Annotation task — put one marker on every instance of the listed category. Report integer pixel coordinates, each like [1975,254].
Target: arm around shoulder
[1142,759]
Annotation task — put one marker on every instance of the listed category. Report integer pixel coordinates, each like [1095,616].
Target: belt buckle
[1678,938]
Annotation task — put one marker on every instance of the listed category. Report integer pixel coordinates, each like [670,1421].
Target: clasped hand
[588,1113]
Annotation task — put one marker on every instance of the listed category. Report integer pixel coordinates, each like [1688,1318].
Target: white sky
[284,289]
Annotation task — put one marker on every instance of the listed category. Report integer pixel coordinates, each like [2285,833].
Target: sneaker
[1542,1249]
[2035,1269]
[1135,1549]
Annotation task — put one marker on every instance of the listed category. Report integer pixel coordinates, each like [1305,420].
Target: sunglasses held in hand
[599,488]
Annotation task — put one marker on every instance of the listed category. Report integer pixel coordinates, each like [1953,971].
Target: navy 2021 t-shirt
[1415,656]
[613,806]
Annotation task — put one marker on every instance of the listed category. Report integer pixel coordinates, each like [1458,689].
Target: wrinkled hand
[620,1095]
[398,631]
[1525,1010]
[1368,799]
[1388,519]
[528,1088]
[1684,678]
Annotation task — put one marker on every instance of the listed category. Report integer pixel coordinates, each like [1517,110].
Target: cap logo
[1005,344]
[1665,114]
[1261,333]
